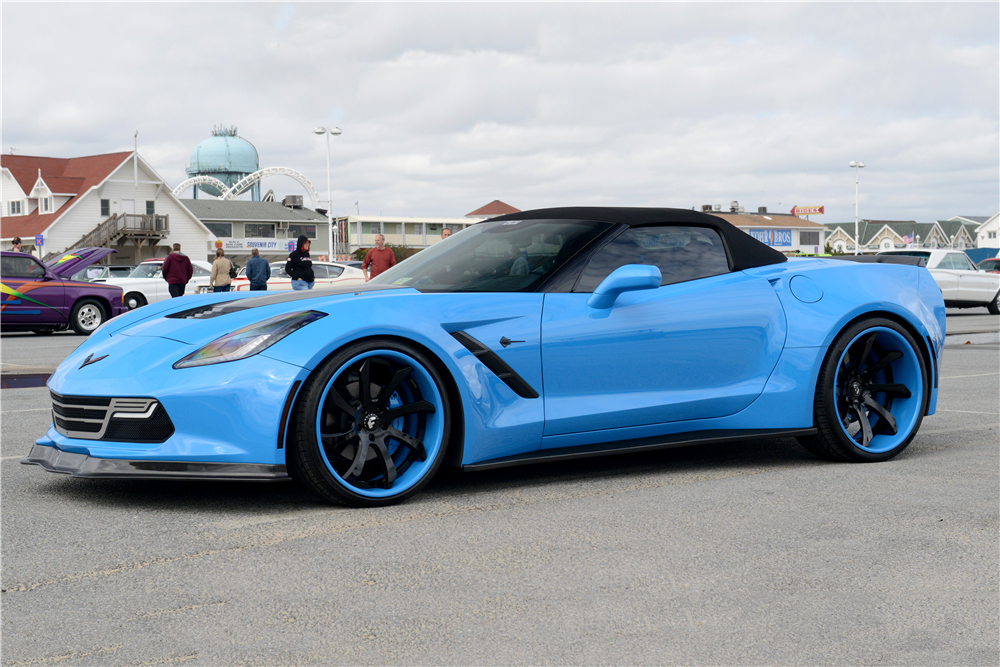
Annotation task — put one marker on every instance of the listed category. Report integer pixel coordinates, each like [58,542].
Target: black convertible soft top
[745,251]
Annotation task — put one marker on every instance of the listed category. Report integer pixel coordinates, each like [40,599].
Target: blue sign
[291,246]
[38,239]
[773,237]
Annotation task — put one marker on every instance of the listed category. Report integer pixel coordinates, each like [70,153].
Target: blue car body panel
[728,353]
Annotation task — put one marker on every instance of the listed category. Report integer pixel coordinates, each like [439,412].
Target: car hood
[198,319]
[73,261]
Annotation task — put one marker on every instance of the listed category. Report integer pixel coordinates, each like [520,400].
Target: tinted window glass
[150,270]
[335,271]
[198,271]
[295,231]
[507,256]
[319,271]
[278,270]
[21,267]
[223,230]
[962,262]
[681,254]
[120,271]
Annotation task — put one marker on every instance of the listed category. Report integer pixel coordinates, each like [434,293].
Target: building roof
[249,211]
[495,207]
[766,220]
[952,226]
[64,176]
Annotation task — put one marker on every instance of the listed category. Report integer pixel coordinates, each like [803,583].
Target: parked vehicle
[43,298]
[146,284]
[99,273]
[538,336]
[328,274]
[991,265]
[962,284]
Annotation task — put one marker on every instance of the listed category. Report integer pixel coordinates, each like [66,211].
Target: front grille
[118,419]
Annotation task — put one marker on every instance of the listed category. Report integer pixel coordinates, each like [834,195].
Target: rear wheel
[372,425]
[87,315]
[134,300]
[871,396]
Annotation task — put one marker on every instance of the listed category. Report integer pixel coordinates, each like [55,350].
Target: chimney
[706,208]
[762,210]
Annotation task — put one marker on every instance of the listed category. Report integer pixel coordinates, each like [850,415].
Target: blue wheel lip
[434,429]
[885,443]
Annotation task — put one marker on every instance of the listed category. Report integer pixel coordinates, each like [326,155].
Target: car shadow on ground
[223,498]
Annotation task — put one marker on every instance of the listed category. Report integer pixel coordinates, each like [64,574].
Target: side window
[21,267]
[278,270]
[150,208]
[198,271]
[335,271]
[681,254]
[947,263]
[105,207]
[319,271]
[962,262]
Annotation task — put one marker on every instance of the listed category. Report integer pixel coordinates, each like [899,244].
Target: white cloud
[446,107]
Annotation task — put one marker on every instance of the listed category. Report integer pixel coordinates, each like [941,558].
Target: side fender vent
[490,359]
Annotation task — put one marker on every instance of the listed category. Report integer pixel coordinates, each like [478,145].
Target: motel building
[784,232]
[879,235]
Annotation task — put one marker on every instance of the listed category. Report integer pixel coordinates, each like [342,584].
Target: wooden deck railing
[125,224]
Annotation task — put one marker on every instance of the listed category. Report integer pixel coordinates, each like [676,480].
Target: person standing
[221,267]
[378,258]
[177,271]
[16,245]
[258,271]
[299,265]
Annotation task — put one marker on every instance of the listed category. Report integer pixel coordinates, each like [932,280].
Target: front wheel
[872,394]
[134,300]
[994,305]
[87,315]
[372,425]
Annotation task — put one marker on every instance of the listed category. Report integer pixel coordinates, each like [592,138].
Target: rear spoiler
[883,259]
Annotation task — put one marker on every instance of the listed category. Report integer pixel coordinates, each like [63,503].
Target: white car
[146,284]
[962,284]
[328,274]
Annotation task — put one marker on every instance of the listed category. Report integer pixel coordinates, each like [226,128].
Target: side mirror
[628,278]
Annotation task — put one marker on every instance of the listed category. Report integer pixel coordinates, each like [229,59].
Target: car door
[702,345]
[31,294]
[973,284]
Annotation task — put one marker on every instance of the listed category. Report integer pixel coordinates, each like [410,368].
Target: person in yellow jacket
[220,280]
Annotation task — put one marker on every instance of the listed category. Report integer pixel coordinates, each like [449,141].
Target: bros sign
[807,210]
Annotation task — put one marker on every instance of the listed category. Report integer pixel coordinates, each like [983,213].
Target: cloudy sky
[446,107]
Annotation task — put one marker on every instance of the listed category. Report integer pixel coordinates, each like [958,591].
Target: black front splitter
[82,465]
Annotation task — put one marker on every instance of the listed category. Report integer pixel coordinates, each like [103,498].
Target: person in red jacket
[378,258]
[177,271]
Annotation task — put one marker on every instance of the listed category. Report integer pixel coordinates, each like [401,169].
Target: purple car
[42,298]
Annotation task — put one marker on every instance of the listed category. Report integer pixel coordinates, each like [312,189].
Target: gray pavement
[744,553]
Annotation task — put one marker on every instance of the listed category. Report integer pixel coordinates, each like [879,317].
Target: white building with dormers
[114,200]
[988,232]
[879,235]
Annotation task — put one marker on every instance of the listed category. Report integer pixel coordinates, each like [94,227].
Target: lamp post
[335,131]
[857,166]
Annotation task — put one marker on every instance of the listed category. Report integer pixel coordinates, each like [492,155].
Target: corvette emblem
[90,360]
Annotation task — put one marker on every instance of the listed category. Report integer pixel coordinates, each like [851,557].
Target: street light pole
[335,131]
[857,166]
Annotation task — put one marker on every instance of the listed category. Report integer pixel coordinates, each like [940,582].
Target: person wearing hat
[17,247]
[299,266]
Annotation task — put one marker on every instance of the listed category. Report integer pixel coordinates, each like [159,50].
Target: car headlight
[250,340]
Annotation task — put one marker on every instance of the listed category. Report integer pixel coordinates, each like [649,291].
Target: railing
[125,224]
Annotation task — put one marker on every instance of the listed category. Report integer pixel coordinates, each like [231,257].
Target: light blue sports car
[538,336]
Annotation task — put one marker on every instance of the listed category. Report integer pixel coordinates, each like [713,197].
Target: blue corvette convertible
[538,336]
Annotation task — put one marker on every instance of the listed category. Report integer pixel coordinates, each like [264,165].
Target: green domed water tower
[224,156]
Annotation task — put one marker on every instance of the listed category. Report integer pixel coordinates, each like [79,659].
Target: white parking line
[977,375]
[8,458]
[972,412]
[29,410]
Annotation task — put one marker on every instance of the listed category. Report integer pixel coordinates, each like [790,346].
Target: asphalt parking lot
[745,553]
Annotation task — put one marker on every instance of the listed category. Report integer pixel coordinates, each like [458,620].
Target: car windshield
[151,270]
[508,256]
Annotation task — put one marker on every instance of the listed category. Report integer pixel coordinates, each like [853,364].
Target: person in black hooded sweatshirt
[299,266]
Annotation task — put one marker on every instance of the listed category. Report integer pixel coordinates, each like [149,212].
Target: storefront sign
[246,245]
[807,210]
[773,237]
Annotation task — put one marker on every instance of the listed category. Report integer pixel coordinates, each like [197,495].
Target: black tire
[871,395]
[134,300]
[994,305]
[378,448]
[86,316]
